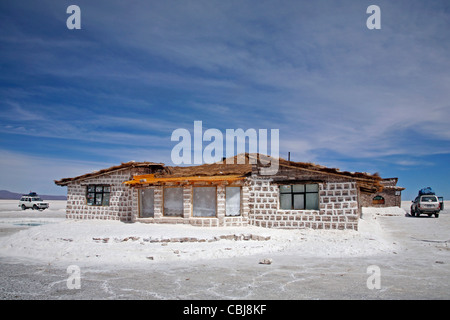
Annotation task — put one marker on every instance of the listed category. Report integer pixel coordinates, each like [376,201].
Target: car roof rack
[31,194]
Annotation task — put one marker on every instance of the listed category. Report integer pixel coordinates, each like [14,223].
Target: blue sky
[341,95]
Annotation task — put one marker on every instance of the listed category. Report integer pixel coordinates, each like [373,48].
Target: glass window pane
[106,189]
[312,188]
[285,201]
[299,201]
[233,201]
[173,202]
[204,202]
[105,201]
[99,189]
[98,199]
[146,203]
[90,198]
[298,188]
[285,189]
[312,201]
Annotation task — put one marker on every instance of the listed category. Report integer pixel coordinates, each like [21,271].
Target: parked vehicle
[426,203]
[33,201]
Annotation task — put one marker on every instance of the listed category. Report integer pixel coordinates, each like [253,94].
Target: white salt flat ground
[412,254]
[13,219]
[48,237]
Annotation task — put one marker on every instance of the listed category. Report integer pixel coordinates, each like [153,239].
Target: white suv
[33,201]
[427,204]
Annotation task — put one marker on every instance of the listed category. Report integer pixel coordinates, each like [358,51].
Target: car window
[429,199]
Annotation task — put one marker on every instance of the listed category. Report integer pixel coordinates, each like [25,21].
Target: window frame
[240,201]
[378,199]
[95,193]
[141,203]
[193,214]
[304,193]
[164,213]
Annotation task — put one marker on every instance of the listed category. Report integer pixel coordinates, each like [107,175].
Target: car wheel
[35,207]
[24,207]
[412,214]
[436,215]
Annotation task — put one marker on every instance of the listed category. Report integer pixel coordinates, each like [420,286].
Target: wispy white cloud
[137,71]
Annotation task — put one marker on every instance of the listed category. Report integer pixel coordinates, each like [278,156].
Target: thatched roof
[391,183]
[256,158]
[122,166]
[209,170]
[244,164]
[334,171]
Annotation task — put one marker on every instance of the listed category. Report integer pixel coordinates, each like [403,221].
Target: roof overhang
[123,166]
[150,179]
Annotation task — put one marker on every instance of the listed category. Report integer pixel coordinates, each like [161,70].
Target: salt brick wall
[391,199]
[220,220]
[338,207]
[122,203]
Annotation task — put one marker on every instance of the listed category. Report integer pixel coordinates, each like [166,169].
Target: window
[378,200]
[204,202]
[98,195]
[429,199]
[146,203]
[173,202]
[299,197]
[233,201]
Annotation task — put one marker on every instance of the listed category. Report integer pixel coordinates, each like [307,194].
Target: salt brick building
[232,193]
